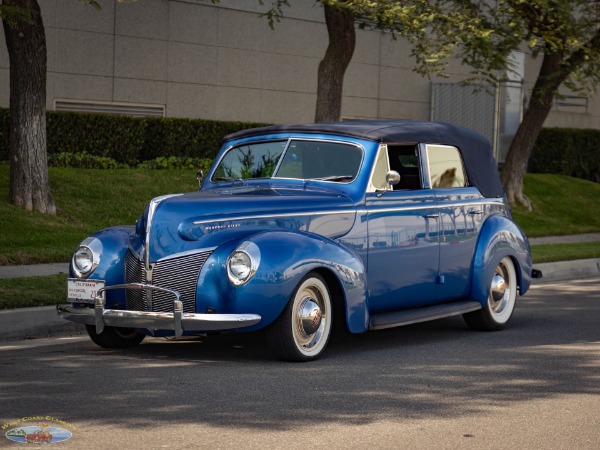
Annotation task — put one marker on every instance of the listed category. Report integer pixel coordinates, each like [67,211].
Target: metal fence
[473,107]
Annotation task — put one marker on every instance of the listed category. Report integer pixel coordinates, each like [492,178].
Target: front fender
[286,257]
[499,237]
[111,267]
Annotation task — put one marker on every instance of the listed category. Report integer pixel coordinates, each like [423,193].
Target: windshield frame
[288,141]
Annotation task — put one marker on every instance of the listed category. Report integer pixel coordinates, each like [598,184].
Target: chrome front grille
[179,274]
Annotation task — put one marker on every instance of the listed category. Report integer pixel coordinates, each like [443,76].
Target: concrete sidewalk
[28,323]
[33,270]
[569,239]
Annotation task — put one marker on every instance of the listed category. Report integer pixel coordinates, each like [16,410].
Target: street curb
[568,270]
[37,322]
[43,321]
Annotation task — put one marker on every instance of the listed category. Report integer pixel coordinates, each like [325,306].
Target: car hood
[200,220]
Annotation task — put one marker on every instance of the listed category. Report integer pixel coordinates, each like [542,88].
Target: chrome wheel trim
[503,291]
[311,317]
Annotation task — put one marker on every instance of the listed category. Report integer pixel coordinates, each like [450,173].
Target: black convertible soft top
[475,148]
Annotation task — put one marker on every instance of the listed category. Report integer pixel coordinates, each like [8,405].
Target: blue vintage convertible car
[364,225]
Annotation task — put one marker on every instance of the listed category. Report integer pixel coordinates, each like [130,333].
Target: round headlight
[87,257]
[242,263]
[83,260]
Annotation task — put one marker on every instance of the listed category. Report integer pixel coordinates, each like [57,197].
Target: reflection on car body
[364,225]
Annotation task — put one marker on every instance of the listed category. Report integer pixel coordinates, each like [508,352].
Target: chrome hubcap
[500,289]
[310,316]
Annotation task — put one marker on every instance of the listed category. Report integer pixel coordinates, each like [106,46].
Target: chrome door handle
[475,212]
[431,216]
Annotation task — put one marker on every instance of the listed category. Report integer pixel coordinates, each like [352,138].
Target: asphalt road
[437,385]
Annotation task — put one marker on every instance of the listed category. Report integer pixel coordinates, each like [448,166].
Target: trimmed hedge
[567,151]
[131,140]
[128,140]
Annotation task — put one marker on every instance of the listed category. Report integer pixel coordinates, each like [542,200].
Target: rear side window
[445,167]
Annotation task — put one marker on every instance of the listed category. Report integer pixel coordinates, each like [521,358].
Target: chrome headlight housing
[243,263]
[87,257]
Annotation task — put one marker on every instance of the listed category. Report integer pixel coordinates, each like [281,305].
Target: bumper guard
[178,321]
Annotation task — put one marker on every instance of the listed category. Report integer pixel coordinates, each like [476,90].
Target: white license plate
[83,291]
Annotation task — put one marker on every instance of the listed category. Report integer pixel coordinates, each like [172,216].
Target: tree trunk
[342,40]
[549,79]
[26,44]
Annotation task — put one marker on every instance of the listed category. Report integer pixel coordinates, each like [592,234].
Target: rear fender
[285,258]
[499,237]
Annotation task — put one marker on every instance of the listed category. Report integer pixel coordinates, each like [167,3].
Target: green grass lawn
[565,252]
[33,291]
[87,200]
[561,205]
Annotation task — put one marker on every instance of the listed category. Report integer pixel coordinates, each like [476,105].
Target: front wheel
[115,337]
[302,330]
[501,300]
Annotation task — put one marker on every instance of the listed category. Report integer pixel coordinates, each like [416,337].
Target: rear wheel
[302,330]
[115,337]
[501,300]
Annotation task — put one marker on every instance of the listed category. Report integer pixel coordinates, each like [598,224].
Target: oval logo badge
[38,434]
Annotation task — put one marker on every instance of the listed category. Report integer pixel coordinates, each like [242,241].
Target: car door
[461,214]
[403,230]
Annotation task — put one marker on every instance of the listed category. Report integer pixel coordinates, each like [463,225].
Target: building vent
[571,103]
[122,109]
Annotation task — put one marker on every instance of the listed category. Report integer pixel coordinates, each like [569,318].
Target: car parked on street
[364,225]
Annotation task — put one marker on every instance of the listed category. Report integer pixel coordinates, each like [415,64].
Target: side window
[381,169]
[404,159]
[445,167]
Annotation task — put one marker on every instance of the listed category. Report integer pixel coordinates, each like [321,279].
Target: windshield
[302,159]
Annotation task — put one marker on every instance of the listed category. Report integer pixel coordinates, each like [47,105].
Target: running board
[399,318]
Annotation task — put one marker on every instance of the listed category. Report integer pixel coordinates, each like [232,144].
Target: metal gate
[469,106]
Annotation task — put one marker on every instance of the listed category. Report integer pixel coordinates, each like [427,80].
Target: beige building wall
[223,62]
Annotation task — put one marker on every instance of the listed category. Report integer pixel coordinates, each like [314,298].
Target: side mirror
[392,178]
[200,178]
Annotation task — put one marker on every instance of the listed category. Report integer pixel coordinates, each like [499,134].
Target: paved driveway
[436,385]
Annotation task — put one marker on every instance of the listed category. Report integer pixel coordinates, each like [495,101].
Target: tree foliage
[564,34]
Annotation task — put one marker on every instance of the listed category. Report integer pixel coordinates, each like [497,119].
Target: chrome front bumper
[177,321]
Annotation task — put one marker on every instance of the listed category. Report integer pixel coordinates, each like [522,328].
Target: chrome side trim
[273,216]
[439,205]
[475,202]
[497,202]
